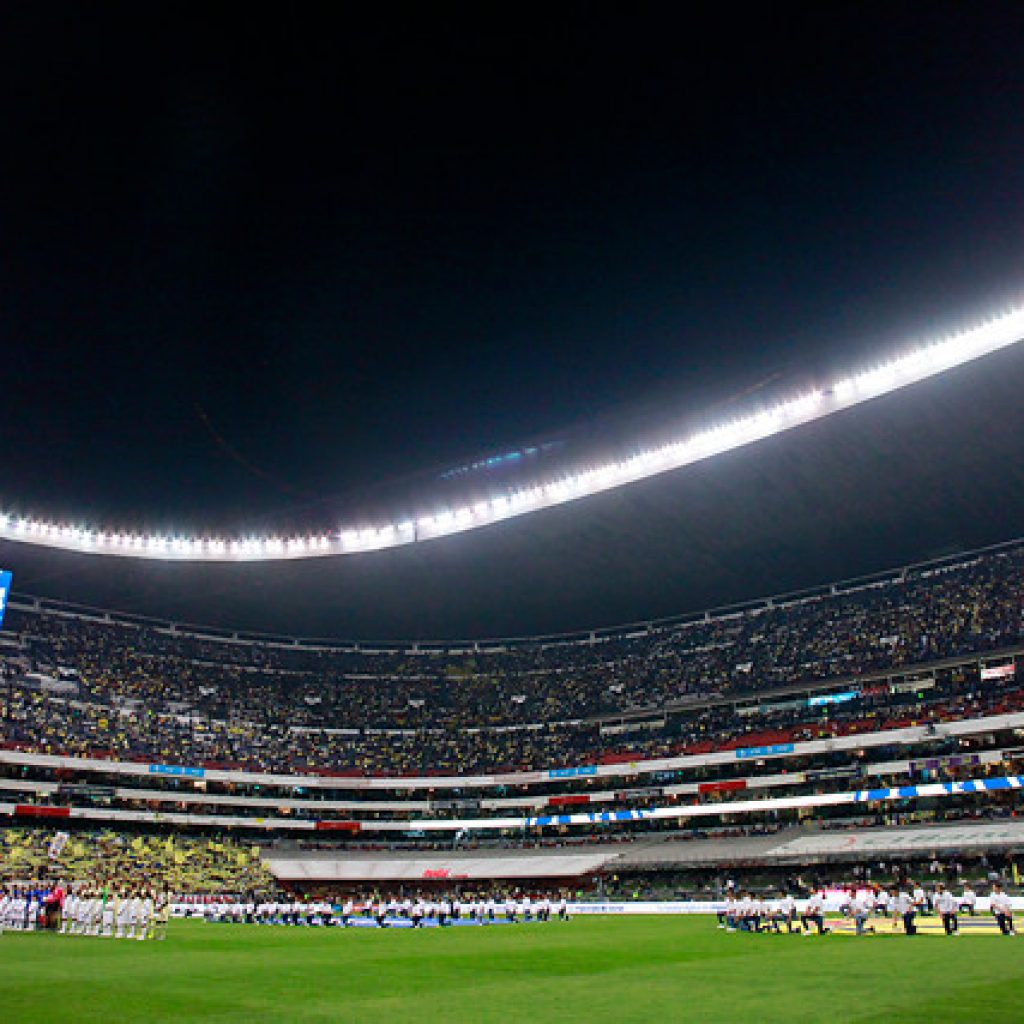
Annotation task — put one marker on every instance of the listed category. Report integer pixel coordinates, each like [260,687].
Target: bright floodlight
[919,364]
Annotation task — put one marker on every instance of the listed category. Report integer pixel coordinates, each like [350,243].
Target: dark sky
[270,270]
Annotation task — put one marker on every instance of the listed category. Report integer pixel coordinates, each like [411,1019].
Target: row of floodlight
[994,334]
[34,531]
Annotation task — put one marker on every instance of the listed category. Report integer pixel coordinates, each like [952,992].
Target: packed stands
[887,703]
[173,696]
[163,863]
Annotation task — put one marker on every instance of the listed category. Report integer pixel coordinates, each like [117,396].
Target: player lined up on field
[900,904]
[122,914]
[441,910]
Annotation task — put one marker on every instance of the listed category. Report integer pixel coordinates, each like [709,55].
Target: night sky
[279,271]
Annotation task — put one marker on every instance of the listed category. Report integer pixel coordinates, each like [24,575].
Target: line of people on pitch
[23,910]
[384,912]
[137,915]
[904,904]
[750,913]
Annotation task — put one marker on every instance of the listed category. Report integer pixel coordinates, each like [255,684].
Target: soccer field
[590,969]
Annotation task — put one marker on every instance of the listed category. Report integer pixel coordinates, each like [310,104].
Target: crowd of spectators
[41,723]
[163,863]
[169,697]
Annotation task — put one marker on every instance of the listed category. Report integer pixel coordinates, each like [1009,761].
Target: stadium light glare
[991,335]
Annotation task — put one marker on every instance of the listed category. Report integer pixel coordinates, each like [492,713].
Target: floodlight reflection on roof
[921,363]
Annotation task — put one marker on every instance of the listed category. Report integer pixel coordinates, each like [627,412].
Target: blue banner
[176,769]
[776,748]
[5,589]
[588,817]
[571,773]
[833,698]
[948,788]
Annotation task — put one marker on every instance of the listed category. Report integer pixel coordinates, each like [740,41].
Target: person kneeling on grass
[729,915]
[968,901]
[723,914]
[745,913]
[813,914]
[785,910]
[754,913]
[860,908]
[904,908]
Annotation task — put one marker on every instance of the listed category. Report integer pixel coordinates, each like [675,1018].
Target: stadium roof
[318,272]
[461,514]
[919,473]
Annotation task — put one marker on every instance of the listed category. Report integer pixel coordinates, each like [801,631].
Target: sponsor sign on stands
[176,769]
[572,773]
[770,751]
[832,698]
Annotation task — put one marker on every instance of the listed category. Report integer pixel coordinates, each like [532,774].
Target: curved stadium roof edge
[919,364]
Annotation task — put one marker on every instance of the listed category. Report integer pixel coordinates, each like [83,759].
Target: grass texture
[589,969]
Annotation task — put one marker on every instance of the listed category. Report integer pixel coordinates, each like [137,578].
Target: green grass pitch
[589,969]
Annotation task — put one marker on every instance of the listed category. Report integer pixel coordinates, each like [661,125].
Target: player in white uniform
[544,911]
[785,912]
[136,928]
[727,919]
[860,907]
[80,922]
[145,918]
[871,899]
[969,900]
[510,909]
[745,912]
[919,900]
[67,914]
[83,916]
[418,912]
[945,906]
[814,912]
[905,909]
[15,912]
[1001,909]
[95,915]
[123,912]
